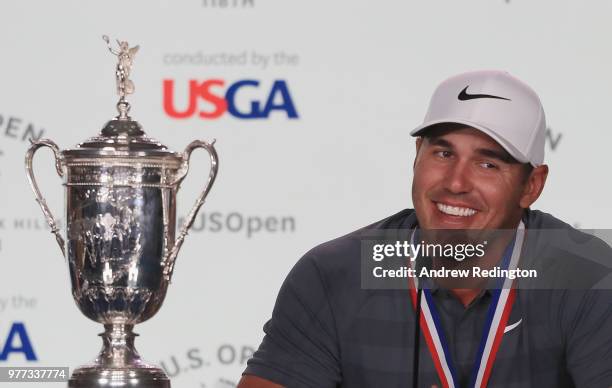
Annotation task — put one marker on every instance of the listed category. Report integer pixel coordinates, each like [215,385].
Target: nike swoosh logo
[464,96]
[513,326]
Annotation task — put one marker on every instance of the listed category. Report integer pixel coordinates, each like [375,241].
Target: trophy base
[94,377]
[118,364]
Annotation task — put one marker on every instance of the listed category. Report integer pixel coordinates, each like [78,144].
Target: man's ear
[534,186]
[419,142]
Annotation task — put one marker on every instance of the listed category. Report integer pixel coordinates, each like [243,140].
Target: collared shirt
[326,331]
[461,326]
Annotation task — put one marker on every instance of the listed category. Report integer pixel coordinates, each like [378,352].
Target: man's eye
[488,165]
[443,154]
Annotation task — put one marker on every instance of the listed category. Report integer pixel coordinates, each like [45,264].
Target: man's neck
[494,253]
[466,295]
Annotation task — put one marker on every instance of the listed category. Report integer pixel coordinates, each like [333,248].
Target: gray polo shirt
[326,331]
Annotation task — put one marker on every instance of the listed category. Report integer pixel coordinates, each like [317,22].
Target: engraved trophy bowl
[121,245]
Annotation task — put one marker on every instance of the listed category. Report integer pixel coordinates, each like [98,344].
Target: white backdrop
[360,74]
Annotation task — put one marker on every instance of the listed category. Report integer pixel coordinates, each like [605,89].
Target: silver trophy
[120,244]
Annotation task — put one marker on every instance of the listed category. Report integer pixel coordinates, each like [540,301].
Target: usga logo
[241,99]
[17,342]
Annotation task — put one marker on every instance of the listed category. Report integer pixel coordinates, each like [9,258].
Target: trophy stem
[118,346]
[118,364]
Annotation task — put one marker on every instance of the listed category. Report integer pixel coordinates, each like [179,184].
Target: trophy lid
[121,136]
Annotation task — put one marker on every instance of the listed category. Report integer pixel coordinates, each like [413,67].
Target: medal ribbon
[497,316]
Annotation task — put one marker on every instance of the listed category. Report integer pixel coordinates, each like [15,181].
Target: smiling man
[465,179]
[479,166]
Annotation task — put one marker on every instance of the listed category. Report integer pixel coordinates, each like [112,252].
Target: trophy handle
[214,166]
[36,144]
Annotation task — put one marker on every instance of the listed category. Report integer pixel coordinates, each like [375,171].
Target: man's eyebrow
[438,141]
[500,155]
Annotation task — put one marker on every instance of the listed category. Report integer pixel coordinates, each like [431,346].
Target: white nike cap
[495,103]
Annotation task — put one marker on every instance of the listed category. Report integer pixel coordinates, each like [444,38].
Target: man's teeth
[455,211]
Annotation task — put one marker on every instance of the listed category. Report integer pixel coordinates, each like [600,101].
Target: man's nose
[458,178]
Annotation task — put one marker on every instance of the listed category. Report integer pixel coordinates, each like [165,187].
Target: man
[479,165]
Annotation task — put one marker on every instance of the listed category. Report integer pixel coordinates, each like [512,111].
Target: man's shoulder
[555,233]
[334,249]
[537,219]
[565,257]
[343,253]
